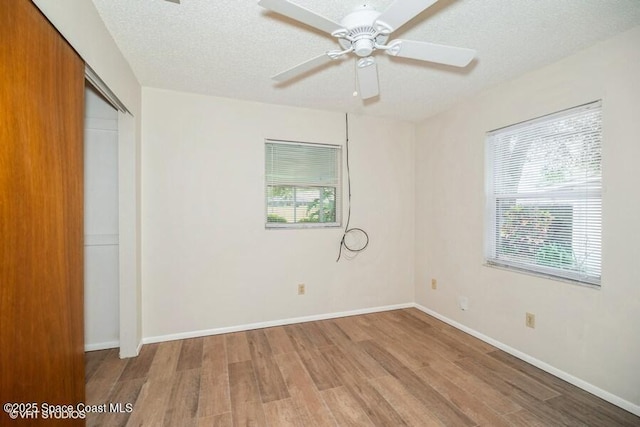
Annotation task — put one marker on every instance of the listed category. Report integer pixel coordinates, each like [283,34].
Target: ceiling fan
[365,31]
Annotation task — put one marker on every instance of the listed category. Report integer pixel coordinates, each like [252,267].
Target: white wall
[78,21]
[208,261]
[101,296]
[591,334]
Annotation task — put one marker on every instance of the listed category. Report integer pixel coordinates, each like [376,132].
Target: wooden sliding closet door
[41,213]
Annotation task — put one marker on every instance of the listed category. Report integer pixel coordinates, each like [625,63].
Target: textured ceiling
[230,48]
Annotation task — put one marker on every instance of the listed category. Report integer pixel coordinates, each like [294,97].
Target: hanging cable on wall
[354,240]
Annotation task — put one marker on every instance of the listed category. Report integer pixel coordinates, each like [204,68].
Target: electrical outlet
[434,284]
[301,289]
[530,320]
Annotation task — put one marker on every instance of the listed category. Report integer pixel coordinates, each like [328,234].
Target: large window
[302,184]
[544,195]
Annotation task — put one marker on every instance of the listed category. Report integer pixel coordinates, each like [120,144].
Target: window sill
[541,275]
[300,226]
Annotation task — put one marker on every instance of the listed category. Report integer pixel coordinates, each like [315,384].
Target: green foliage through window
[537,234]
[289,204]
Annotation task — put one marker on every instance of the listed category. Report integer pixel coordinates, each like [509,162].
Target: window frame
[338,190]
[492,200]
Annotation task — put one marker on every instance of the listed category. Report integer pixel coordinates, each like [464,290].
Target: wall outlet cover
[530,320]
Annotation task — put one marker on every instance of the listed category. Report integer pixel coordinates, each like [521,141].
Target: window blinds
[544,189]
[302,164]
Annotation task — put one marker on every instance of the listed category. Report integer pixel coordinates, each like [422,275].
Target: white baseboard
[101,345]
[603,394]
[272,323]
[126,356]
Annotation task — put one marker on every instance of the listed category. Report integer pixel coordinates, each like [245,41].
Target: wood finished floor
[393,368]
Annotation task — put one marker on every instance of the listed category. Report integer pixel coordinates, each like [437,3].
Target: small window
[544,195]
[303,183]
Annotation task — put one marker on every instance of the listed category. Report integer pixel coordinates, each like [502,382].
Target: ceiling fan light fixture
[363,47]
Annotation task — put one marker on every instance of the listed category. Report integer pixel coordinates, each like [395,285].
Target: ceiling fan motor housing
[361,34]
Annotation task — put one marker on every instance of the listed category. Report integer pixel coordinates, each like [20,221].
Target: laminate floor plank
[98,388]
[360,358]
[316,336]
[182,408]
[579,396]
[310,406]
[520,396]
[246,406]
[111,367]
[462,399]
[457,334]
[493,398]
[318,369]
[249,414]
[351,329]
[258,344]
[279,340]
[412,411]
[334,332]
[165,361]
[282,413]
[321,372]
[97,391]
[443,409]
[92,361]
[152,402]
[377,408]
[400,367]
[524,418]
[190,354]
[268,376]
[214,396]
[124,393]
[299,339]
[214,355]
[138,367]
[221,420]
[523,382]
[345,409]
[450,348]
[345,368]
[242,383]
[404,347]
[442,327]
[588,415]
[237,347]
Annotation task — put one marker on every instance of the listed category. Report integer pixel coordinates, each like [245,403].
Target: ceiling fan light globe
[363,47]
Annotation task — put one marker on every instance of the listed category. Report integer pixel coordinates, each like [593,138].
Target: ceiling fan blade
[423,51]
[401,12]
[367,72]
[302,68]
[299,13]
